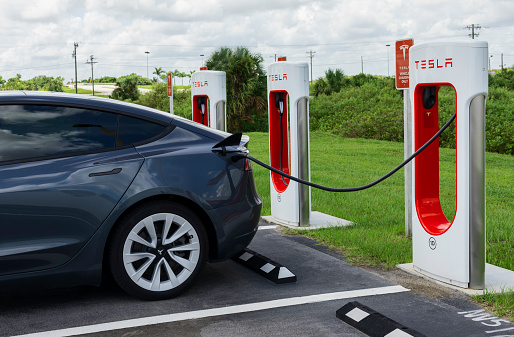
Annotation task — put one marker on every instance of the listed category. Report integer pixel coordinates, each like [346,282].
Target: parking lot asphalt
[231,300]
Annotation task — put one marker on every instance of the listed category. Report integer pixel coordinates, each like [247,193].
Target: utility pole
[91,61]
[502,62]
[311,55]
[473,27]
[74,55]
[362,66]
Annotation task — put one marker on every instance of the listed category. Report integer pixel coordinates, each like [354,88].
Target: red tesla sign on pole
[402,63]
[170,85]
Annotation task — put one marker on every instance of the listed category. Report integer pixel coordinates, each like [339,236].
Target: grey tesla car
[90,184]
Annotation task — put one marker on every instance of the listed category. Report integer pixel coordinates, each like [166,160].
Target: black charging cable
[351,189]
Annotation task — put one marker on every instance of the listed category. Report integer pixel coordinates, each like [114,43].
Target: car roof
[84,101]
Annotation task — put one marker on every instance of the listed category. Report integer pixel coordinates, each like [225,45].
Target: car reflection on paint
[90,184]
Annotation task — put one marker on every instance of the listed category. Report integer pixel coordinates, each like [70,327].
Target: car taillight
[248,164]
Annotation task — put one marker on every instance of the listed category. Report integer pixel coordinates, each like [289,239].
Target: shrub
[126,88]
[158,99]
[372,108]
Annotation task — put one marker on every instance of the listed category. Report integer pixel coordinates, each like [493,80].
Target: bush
[371,107]
[106,79]
[126,88]
[503,79]
[499,121]
[43,83]
[366,112]
[158,99]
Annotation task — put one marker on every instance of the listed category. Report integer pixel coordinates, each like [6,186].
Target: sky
[37,37]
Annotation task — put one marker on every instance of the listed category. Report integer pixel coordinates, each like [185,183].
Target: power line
[51,66]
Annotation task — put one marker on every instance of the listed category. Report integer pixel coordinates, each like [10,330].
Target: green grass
[148,86]
[378,236]
[80,91]
[501,304]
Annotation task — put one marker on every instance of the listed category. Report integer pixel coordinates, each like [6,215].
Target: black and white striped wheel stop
[271,270]
[373,323]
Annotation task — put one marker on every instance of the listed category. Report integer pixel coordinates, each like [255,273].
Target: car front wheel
[158,251]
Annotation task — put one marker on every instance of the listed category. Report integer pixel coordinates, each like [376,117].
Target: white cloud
[38,36]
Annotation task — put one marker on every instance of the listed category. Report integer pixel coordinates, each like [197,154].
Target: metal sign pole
[169,78]
[407,149]
[402,83]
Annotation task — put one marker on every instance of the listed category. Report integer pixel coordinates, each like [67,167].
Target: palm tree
[191,72]
[334,81]
[159,72]
[246,83]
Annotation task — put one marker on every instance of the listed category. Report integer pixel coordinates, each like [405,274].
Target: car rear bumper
[239,222]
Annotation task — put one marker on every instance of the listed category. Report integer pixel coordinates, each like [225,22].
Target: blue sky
[38,36]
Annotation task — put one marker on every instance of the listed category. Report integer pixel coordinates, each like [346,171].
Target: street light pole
[388,45]
[147,52]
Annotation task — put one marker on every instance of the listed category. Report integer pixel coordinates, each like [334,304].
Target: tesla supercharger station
[288,111]
[209,97]
[450,250]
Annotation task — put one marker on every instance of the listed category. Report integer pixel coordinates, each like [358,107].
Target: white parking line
[267,227]
[236,309]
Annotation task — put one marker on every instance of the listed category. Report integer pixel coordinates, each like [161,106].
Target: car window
[29,131]
[134,130]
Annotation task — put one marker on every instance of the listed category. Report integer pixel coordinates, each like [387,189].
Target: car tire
[158,250]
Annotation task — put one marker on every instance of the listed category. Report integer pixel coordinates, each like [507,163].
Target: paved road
[103,89]
[231,300]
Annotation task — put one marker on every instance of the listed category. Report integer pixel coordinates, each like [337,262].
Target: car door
[61,175]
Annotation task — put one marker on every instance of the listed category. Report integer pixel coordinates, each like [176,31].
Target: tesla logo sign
[404,48]
[200,84]
[402,63]
[436,63]
[278,77]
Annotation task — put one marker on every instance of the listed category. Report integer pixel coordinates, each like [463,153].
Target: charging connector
[201,107]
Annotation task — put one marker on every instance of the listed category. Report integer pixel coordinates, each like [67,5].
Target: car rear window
[133,130]
[34,131]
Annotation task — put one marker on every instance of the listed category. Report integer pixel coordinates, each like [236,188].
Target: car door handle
[106,173]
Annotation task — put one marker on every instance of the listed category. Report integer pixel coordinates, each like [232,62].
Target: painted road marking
[267,227]
[489,320]
[232,310]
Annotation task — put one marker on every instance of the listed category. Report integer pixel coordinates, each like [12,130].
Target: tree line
[359,106]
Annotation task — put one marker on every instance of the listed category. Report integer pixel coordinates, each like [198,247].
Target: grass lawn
[378,236]
[80,91]
[501,304]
